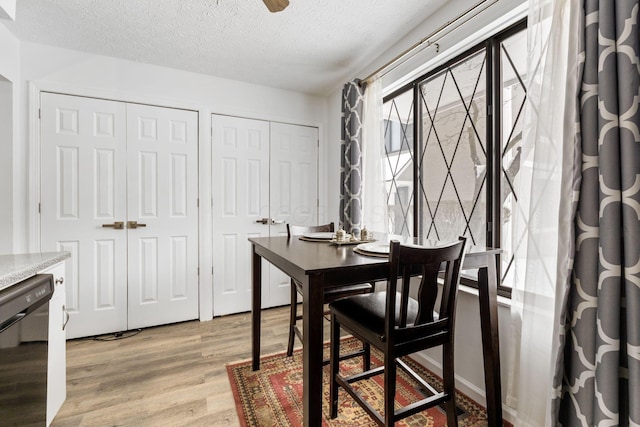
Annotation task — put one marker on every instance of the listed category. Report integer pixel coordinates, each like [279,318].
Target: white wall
[9,136]
[6,168]
[469,367]
[48,66]
[468,349]
[334,135]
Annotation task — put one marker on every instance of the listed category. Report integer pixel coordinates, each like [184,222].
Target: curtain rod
[409,53]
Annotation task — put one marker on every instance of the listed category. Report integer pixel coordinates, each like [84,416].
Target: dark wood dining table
[321,265]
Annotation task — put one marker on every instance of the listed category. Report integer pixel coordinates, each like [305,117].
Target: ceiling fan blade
[276,5]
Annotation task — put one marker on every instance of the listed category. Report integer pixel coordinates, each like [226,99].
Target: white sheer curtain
[544,206]
[374,194]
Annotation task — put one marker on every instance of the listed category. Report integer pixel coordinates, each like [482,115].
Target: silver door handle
[273,221]
[263,221]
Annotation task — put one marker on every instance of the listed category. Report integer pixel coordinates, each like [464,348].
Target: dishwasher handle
[12,321]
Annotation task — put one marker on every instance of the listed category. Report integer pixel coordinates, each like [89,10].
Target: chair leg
[448,379]
[389,388]
[366,357]
[292,318]
[334,368]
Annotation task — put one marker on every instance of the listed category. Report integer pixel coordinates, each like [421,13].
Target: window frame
[493,136]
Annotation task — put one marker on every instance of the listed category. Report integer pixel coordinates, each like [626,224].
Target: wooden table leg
[488,298]
[312,350]
[256,306]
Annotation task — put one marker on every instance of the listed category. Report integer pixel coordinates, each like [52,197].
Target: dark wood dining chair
[398,325]
[330,295]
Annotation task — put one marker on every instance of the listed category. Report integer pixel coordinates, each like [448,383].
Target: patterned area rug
[272,396]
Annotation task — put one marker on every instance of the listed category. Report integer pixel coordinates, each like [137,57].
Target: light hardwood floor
[171,375]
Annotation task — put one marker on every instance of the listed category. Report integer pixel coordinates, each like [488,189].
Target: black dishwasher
[23,364]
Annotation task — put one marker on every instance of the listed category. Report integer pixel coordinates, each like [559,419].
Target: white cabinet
[57,363]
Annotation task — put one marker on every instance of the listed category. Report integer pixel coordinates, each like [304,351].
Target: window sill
[502,301]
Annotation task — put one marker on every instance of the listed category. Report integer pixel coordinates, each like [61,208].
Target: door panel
[162,184]
[83,172]
[293,189]
[294,173]
[240,187]
[261,170]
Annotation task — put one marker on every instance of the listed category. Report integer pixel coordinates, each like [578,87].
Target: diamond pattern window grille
[453,154]
[398,170]
[460,175]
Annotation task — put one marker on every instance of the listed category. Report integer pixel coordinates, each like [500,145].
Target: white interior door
[162,220]
[103,164]
[240,186]
[264,175]
[83,172]
[293,184]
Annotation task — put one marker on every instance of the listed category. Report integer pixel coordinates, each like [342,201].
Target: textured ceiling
[312,46]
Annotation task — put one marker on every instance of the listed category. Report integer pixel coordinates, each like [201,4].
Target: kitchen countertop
[14,268]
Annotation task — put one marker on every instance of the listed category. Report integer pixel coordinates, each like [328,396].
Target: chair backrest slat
[407,261]
[404,300]
[428,292]
[298,230]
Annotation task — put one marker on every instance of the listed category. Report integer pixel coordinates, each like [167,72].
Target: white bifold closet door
[265,175]
[162,195]
[119,191]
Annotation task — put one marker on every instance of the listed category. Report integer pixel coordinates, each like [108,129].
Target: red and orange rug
[272,396]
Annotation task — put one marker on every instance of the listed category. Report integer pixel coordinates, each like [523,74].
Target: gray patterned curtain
[351,163]
[599,371]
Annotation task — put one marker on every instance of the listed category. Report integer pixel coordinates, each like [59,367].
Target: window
[398,167]
[452,145]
